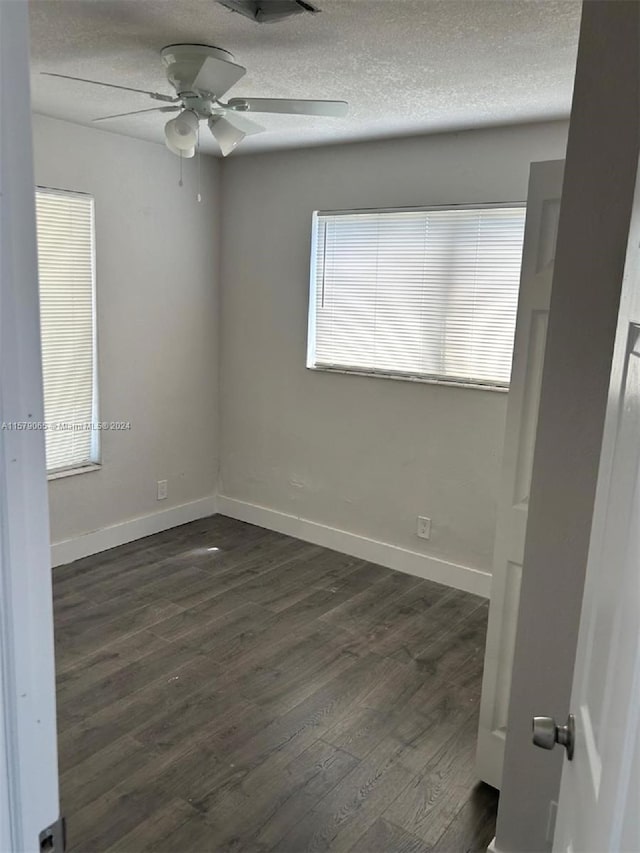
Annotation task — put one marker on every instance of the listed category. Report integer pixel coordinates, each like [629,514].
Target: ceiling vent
[269,11]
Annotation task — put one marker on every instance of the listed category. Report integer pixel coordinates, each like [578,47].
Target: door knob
[546,734]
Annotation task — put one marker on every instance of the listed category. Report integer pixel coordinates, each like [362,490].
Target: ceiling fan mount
[201,75]
[183,63]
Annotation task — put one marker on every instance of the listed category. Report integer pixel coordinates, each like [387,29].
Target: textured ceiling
[405,66]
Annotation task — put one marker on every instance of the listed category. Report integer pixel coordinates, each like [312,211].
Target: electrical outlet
[162,490]
[423,528]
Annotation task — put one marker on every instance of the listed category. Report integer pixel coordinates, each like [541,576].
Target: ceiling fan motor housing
[183,63]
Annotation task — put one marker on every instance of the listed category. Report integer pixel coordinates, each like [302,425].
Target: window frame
[427,379]
[95,461]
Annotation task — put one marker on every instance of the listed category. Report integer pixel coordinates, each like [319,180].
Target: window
[425,294]
[66,270]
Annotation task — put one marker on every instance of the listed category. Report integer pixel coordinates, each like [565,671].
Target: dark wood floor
[225,688]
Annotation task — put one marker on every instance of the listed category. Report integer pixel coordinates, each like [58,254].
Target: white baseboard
[136,528]
[402,559]
[412,562]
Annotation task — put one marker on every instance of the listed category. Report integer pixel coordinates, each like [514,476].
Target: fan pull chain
[180,181]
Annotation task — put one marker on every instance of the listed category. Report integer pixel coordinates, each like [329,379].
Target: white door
[599,807]
[543,208]
[28,759]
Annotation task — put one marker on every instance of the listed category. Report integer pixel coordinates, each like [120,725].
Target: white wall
[157,281]
[361,454]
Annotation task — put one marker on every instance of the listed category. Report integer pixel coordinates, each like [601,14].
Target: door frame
[28,745]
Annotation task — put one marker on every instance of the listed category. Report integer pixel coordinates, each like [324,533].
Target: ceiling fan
[201,75]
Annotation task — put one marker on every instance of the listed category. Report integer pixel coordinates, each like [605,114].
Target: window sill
[403,377]
[71,472]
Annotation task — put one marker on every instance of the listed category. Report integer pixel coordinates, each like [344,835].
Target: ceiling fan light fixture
[180,152]
[227,135]
[182,132]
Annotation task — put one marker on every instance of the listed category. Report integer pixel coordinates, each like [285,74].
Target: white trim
[96,541]
[493,847]
[393,556]
[420,207]
[71,472]
[406,377]
[29,799]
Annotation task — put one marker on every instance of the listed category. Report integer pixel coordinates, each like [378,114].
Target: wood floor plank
[101,771]
[361,578]
[473,828]
[305,680]
[412,732]
[201,716]
[88,637]
[111,722]
[67,607]
[158,665]
[384,837]
[349,809]
[192,835]
[396,611]
[396,689]
[267,636]
[445,657]
[206,635]
[106,820]
[210,548]
[417,632]
[445,713]
[434,797]
[75,675]
[469,674]
[150,832]
[223,553]
[297,806]
[362,608]
[359,732]
[250,809]
[223,687]
[99,568]
[315,568]
[195,836]
[195,617]
[290,734]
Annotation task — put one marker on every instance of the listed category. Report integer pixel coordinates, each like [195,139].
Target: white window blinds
[67,319]
[418,293]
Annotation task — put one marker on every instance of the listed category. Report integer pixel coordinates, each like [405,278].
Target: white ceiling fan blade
[155,95]
[226,134]
[244,124]
[217,76]
[137,112]
[289,105]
